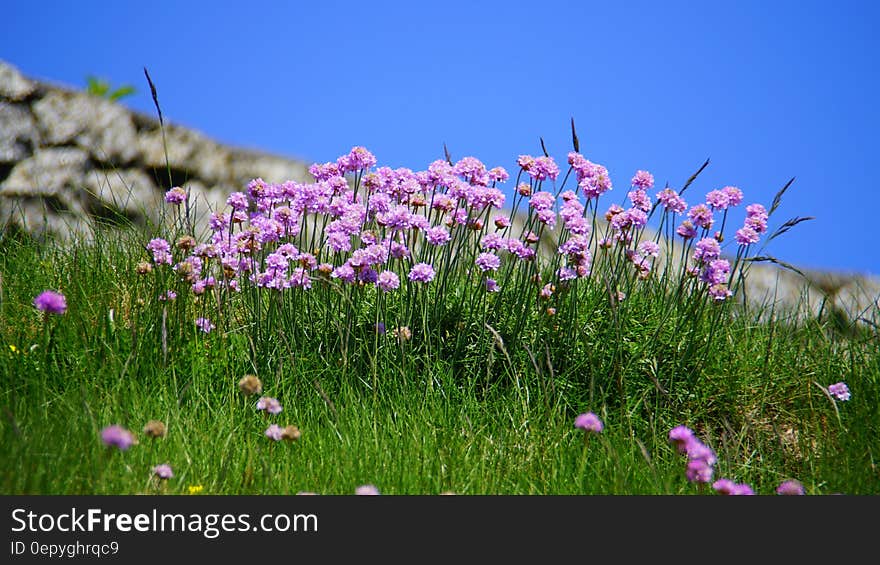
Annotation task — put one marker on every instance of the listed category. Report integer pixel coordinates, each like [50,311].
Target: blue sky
[766,90]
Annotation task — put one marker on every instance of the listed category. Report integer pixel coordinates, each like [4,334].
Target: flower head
[250,384]
[699,471]
[118,437]
[366,490]
[681,436]
[790,488]
[840,391]
[269,404]
[163,471]
[155,429]
[488,262]
[205,325]
[175,196]
[588,422]
[274,432]
[421,272]
[51,302]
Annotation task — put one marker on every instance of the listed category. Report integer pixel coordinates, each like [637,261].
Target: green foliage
[101,87]
[476,409]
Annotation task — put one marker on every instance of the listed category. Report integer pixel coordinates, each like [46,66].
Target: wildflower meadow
[467,328]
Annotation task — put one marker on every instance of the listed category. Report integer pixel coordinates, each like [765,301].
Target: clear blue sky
[767,90]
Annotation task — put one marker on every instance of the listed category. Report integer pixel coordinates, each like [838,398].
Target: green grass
[477,402]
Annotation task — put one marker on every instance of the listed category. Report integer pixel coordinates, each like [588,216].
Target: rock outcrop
[68,157]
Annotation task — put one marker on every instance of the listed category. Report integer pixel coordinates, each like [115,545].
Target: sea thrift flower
[421,272]
[686,230]
[205,325]
[175,196]
[269,404]
[163,471]
[366,490]
[649,248]
[402,333]
[742,489]
[161,251]
[291,433]
[672,201]
[51,302]
[839,391]
[488,262]
[237,201]
[701,216]
[746,236]
[643,180]
[388,281]
[724,486]
[718,199]
[437,235]
[734,195]
[681,436]
[250,384]
[155,429]
[118,437]
[501,222]
[491,285]
[699,471]
[274,432]
[790,488]
[588,422]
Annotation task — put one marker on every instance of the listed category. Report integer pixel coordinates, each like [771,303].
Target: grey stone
[48,172]
[40,218]
[180,144]
[14,86]
[247,166]
[18,132]
[102,127]
[129,190]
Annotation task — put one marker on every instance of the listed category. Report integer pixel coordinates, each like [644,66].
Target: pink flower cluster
[701,458]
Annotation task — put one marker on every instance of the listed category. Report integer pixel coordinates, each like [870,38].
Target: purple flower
[701,216]
[734,195]
[205,325]
[175,196]
[118,437]
[790,488]
[388,281]
[649,248]
[269,404]
[699,471]
[50,302]
[163,471]
[746,236]
[643,180]
[237,201]
[488,262]
[421,272]
[742,489]
[839,391]
[724,486]
[671,200]
[718,199]
[161,251]
[681,436]
[274,432]
[588,422]
[366,490]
